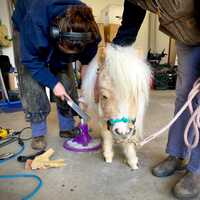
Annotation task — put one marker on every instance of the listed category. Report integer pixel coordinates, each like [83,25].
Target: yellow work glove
[43,161]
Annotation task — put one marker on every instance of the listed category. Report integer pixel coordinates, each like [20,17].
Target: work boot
[188,187]
[168,166]
[70,134]
[39,143]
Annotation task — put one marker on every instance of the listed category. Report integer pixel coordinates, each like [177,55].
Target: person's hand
[60,91]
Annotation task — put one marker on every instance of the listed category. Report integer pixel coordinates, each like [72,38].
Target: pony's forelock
[130,75]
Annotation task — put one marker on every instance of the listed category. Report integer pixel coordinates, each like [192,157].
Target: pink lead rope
[194,119]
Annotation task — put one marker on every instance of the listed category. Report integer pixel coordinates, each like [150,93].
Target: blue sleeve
[34,48]
[17,16]
[21,8]
[132,19]
[88,53]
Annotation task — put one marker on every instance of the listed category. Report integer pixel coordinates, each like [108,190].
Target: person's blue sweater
[32,18]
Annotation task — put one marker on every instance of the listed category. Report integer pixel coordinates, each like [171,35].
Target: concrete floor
[86,176]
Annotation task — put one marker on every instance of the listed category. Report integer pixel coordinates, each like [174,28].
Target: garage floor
[87,176]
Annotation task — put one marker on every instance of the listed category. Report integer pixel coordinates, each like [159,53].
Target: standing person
[53,34]
[177,19]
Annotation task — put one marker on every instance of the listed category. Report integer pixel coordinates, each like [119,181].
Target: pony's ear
[101,56]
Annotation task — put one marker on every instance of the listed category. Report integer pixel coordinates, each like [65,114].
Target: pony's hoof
[108,159]
[133,165]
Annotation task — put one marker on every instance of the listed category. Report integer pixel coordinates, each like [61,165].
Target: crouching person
[53,34]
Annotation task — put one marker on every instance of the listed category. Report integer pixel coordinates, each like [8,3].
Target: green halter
[123,119]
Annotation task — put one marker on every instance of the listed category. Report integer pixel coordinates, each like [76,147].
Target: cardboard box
[12,80]
[110,32]
[101,30]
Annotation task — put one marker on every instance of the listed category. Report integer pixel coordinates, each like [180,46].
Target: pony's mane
[129,74]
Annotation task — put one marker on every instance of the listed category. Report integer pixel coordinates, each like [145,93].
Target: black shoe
[70,134]
[168,166]
[188,187]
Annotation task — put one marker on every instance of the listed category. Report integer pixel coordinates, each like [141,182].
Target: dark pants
[188,73]
[36,104]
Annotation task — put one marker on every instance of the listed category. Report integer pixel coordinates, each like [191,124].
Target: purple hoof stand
[82,142]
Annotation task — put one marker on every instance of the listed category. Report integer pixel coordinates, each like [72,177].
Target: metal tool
[77,109]
[3,87]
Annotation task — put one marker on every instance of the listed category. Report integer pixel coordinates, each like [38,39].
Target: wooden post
[172,52]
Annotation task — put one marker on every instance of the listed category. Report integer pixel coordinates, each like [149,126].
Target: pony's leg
[130,153]
[107,145]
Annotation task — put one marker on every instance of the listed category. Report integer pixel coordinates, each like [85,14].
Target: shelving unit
[6,105]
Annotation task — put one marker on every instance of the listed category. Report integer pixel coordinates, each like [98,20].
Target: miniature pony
[123,91]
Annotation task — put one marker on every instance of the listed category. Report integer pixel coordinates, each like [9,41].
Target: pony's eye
[104,97]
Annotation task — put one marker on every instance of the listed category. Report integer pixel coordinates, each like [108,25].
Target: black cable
[16,136]
[13,155]
[29,157]
[8,141]
[20,133]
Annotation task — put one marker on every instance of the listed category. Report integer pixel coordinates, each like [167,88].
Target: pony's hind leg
[130,153]
[107,146]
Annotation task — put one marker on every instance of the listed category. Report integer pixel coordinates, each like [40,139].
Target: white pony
[123,90]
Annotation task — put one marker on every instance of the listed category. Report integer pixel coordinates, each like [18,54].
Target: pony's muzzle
[122,127]
[124,133]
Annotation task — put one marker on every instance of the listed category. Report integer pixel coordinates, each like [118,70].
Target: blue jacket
[32,18]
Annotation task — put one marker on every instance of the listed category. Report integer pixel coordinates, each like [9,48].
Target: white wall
[162,43]
[98,5]
[157,40]
[142,40]
[5,18]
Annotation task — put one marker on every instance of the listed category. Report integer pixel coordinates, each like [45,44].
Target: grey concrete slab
[86,176]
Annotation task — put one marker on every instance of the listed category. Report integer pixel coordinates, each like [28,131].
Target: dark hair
[77,18]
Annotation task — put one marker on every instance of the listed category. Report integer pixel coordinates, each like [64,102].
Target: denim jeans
[188,72]
[36,104]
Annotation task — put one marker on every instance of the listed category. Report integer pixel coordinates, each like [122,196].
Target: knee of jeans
[36,117]
[66,111]
[182,94]
[181,98]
